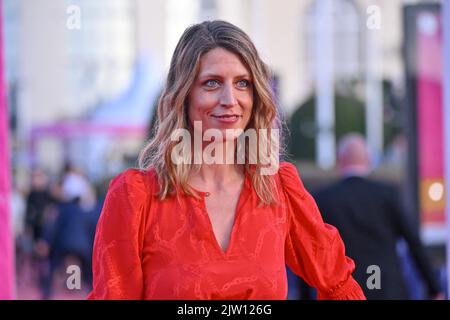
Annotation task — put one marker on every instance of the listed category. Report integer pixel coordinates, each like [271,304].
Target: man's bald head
[353,155]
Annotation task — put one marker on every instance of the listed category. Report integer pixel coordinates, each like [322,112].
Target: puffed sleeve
[116,261]
[314,250]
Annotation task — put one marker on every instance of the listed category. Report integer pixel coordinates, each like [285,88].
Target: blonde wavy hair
[172,112]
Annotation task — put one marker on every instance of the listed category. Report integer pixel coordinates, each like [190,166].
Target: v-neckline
[224,253]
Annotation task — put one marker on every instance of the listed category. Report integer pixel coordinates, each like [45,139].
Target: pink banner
[430,118]
[6,238]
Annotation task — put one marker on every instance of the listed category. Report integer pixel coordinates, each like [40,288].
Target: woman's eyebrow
[215,75]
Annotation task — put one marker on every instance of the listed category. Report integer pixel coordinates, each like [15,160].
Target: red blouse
[151,249]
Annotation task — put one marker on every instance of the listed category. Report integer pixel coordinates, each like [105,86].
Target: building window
[346,34]
[102,52]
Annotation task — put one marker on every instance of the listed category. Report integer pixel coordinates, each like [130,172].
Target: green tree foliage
[350,117]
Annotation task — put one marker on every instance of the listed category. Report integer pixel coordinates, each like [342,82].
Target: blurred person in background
[67,232]
[371,219]
[38,205]
[23,244]
[18,209]
[38,200]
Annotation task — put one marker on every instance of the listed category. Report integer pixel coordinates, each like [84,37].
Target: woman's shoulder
[134,180]
[290,178]
[129,192]
[287,167]
[287,170]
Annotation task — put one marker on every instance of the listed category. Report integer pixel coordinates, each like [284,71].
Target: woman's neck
[218,167]
[217,176]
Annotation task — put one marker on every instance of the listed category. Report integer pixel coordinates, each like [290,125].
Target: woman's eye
[212,83]
[243,83]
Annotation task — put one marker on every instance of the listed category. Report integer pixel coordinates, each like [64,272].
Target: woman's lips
[227,118]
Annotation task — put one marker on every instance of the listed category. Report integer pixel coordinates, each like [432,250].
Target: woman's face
[222,93]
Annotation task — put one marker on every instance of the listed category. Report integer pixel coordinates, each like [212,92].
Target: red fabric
[151,249]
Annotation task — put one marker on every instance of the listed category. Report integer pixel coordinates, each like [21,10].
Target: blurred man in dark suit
[371,219]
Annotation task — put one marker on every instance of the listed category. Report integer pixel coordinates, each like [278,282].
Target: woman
[194,223]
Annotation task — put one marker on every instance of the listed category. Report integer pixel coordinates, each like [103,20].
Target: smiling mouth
[231,116]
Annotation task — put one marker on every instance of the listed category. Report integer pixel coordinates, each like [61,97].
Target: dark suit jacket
[370,219]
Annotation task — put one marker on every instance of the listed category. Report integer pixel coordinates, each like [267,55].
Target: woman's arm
[314,250]
[117,272]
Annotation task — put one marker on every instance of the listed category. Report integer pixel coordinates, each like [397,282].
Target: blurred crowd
[54,225]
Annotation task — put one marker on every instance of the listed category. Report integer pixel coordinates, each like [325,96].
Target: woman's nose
[228,97]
